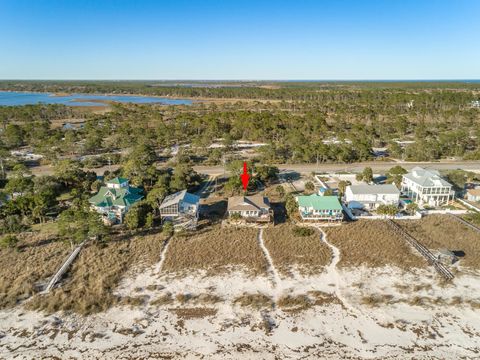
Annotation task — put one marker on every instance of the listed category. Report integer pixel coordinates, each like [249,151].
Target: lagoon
[14,98]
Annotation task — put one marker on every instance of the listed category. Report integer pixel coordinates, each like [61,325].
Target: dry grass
[36,260]
[133,301]
[256,301]
[194,313]
[321,298]
[162,300]
[372,243]
[307,253]
[216,250]
[294,303]
[441,231]
[97,271]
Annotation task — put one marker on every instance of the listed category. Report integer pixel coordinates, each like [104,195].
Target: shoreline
[191,98]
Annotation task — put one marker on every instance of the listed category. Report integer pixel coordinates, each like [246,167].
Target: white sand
[336,331]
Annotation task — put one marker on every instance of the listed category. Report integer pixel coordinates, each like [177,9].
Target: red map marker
[245,176]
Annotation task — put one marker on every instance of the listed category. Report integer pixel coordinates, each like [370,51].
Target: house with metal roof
[371,196]
[427,187]
[254,208]
[180,208]
[115,199]
[320,208]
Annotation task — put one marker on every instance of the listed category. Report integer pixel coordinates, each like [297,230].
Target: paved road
[377,166]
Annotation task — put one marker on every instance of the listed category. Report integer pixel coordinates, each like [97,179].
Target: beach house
[115,199]
[319,208]
[254,208]
[181,208]
[427,187]
[371,196]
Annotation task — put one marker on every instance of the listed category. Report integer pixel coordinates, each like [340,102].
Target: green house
[115,199]
[323,208]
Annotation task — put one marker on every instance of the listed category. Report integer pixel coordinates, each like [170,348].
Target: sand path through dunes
[332,272]
[163,254]
[273,273]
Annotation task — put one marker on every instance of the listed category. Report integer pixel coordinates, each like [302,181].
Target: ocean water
[10,98]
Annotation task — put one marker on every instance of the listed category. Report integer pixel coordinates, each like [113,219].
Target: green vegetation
[77,224]
[303,231]
[291,206]
[302,122]
[9,241]
[366,175]
[394,175]
[388,210]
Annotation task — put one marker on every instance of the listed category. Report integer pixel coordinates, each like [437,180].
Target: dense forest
[339,124]
[306,91]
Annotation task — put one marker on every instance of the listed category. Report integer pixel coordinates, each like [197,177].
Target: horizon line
[260,80]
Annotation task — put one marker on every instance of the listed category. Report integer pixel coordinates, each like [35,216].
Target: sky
[240,40]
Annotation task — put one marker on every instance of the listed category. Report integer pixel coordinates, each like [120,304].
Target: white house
[473,194]
[180,204]
[371,196]
[427,187]
[254,208]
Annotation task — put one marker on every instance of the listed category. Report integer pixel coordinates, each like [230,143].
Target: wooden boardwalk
[63,268]
[466,223]
[423,250]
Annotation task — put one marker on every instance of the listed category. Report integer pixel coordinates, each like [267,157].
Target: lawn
[308,254]
[372,243]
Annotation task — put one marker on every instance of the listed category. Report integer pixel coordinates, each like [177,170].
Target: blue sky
[297,39]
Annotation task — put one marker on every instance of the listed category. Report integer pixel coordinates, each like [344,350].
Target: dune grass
[36,258]
[90,283]
[372,243]
[216,250]
[442,231]
[289,249]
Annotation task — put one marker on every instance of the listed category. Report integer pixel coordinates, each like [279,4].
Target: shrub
[11,224]
[9,241]
[309,186]
[167,228]
[280,191]
[291,206]
[235,216]
[302,231]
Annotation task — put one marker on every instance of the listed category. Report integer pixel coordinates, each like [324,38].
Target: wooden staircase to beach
[422,249]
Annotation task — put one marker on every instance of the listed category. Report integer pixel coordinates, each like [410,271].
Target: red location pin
[245,176]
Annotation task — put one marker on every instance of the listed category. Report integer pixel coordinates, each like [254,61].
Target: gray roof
[243,203]
[426,178]
[374,189]
[179,196]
